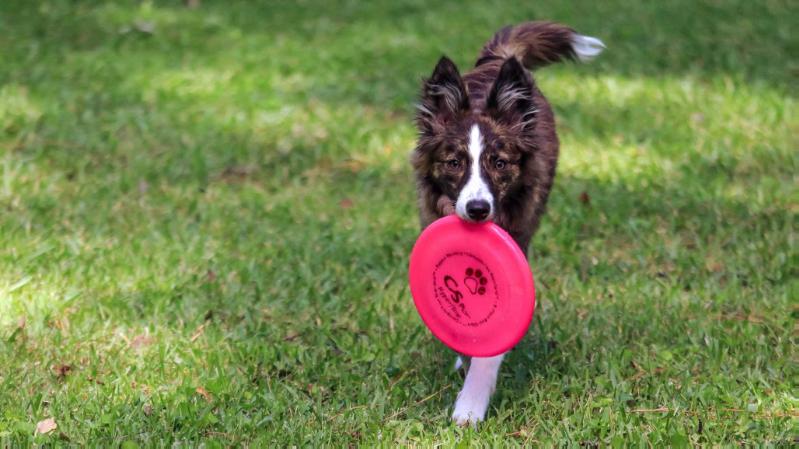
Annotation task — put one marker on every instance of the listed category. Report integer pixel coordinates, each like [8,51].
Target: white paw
[470,408]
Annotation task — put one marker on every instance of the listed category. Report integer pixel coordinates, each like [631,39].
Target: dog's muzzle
[478,210]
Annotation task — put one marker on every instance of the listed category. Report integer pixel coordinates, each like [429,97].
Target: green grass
[226,204]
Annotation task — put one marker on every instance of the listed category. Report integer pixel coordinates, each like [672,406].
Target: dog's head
[475,154]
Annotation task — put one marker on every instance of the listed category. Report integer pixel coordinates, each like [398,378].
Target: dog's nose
[478,210]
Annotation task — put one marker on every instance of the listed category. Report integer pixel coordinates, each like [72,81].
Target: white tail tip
[586,47]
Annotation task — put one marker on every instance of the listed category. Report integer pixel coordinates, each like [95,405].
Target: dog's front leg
[481,380]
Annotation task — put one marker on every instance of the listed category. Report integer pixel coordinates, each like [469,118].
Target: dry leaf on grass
[651,410]
[46,426]
[198,332]
[292,336]
[141,341]
[236,173]
[62,370]
[204,393]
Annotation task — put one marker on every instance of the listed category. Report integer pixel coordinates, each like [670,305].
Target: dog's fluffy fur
[487,149]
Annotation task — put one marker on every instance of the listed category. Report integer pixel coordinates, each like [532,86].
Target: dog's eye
[453,164]
[500,164]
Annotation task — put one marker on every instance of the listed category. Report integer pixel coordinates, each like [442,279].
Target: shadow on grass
[677,308]
[376,50]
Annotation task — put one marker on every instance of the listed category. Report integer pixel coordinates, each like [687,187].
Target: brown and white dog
[487,150]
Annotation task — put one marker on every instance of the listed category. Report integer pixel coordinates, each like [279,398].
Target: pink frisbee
[472,286]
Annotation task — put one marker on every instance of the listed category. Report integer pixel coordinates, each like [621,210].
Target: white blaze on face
[476,187]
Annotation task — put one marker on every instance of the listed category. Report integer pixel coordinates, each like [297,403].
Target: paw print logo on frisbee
[464,288]
[475,282]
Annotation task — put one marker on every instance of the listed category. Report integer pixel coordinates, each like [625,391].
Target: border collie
[487,150]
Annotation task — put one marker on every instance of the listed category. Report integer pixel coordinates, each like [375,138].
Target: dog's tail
[536,44]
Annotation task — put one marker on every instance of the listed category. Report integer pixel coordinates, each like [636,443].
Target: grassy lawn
[206,214]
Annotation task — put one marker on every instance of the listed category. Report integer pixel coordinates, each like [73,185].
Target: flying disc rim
[513,281]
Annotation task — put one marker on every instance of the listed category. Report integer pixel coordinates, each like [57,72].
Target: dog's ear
[511,97]
[443,96]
